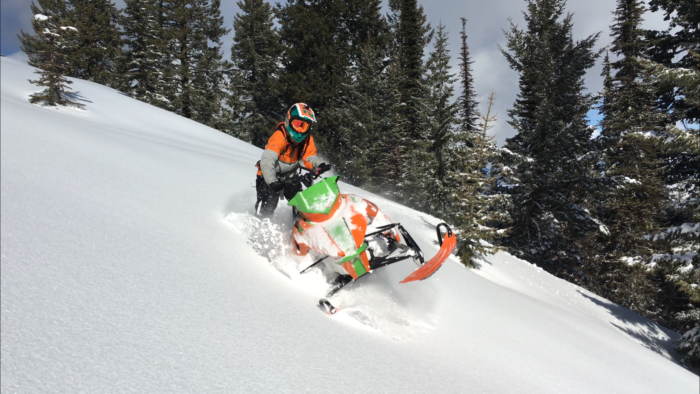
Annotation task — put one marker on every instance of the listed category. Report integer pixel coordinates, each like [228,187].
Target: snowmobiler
[290,147]
[352,236]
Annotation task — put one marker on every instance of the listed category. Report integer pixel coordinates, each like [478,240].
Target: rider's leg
[267,199]
[289,193]
[291,190]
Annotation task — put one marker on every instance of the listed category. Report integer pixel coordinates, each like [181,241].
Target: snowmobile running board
[317,262]
[448,242]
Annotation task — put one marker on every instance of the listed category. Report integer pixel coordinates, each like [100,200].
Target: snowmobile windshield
[318,198]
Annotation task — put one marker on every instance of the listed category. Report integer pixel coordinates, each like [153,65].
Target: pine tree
[605,95]
[144,54]
[412,36]
[255,54]
[677,48]
[388,151]
[631,100]
[411,33]
[196,67]
[468,105]
[629,125]
[430,160]
[473,202]
[364,116]
[677,268]
[98,44]
[631,269]
[34,45]
[548,169]
[440,91]
[47,51]
[681,171]
[475,207]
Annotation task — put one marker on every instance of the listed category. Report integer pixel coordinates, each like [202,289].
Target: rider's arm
[311,160]
[275,146]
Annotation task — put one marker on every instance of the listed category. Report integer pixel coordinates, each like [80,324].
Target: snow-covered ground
[131,264]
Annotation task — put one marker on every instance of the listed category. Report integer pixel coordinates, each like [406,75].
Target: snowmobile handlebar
[309,177]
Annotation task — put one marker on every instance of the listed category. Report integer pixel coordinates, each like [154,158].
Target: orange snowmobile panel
[358,227]
[322,217]
[365,260]
[372,210]
[299,248]
[329,248]
[350,269]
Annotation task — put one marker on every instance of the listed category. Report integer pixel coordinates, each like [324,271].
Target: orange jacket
[282,156]
[287,151]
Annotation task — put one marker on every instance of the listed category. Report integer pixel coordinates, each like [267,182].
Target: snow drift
[131,263]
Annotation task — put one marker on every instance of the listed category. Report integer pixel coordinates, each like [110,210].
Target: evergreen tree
[677,278]
[46,51]
[255,54]
[98,44]
[549,165]
[677,48]
[468,106]
[689,346]
[605,95]
[92,52]
[210,86]
[475,207]
[364,116]
[430,161]
[443,116]
[635,266]
[195,66]
[144,53]
[630,206]
[388,151]
[413,35]
[631,100]
[35,45]
[676,267]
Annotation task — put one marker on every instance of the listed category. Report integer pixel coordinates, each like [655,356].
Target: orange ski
[448,245]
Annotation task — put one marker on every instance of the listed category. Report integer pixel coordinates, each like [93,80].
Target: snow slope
[129,264]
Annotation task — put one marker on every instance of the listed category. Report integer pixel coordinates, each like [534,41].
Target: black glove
[307,180]
[276,186]
[323,167]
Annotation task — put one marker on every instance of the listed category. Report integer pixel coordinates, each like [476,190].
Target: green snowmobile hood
[318,198]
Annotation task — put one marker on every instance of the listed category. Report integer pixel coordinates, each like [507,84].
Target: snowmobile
[353,237]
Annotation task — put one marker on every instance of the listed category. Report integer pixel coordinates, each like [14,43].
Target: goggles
[300,126]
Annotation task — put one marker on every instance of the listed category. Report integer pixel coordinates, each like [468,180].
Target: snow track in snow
[266,238]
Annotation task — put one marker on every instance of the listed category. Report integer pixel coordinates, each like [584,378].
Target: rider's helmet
[298,122]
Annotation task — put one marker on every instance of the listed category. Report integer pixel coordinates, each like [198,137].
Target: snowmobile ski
[447,245]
